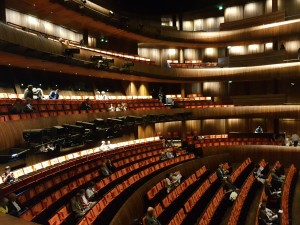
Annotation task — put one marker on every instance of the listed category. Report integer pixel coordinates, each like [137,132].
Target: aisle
[251,216]
[296,204]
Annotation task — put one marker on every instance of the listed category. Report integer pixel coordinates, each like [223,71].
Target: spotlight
[220,7]
[111,13]
[292,84]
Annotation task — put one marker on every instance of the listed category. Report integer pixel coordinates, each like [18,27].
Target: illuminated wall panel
[152,53]
[253,9]
[188,25]
[255,48]
[191,54]
[41,25]
[233,13]
[238,50]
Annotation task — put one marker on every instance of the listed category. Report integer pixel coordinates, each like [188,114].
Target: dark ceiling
[159,7]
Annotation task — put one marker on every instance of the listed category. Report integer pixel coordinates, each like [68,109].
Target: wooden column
[2,11]
[182,90]
[274,5]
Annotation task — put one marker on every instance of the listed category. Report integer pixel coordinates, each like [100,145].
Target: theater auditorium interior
[149,112]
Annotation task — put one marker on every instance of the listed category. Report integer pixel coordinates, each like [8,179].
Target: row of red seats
[94,212]
[35,177]
[216,201]
[263,196]
[44,186]
[178,218]
[181,188]
[286,193]
[239,202]
[51,198]
[197,195]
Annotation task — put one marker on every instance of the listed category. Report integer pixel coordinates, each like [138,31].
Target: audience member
[28,93]
[163,156]
[54,94]
[118,108]
[103,146]
[267,216]
[151,218]
[110,166]
[18,106]
[111,108]
[8,176]
[104,170]
[258,130]
[221,172]
[85,105]
[271,192]
[169,143]
[295,139]
[230,189]
[76,207]
[260,177]
[28,106]
[124,106]
[168,183]
[90,191]
[276,180]
[3,205]
[175,178]
[33,93]
[85,203]
[14,208]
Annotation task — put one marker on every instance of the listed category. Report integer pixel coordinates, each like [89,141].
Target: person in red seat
[267,216]
[85,105]
[14,207]
[104,170]
[76,207]
[85,203]
[151,218]
[8,176]
[221,172]
[90,191]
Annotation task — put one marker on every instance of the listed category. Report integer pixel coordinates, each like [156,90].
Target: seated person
[7,176]
[90,191]
[271,192]
[124,106]
[28,93]
[267,216]
[111,108]
[276,180]
[258,173]
[104,170]
[228,185]
[258,130]
[163,156]
[118,108]
[175,178]
[3,205]
[14,208]
[18,106]
[85,105]
[221,172]
[54,94]
[85,203]
[169,155]
[76,207]
[110,166]
[168,183]
[151,218]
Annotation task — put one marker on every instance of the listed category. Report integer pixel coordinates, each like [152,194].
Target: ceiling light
[220,7]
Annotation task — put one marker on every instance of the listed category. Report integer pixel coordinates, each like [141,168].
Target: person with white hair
[151,218]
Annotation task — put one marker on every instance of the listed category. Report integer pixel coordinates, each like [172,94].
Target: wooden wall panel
[145,131]
[212,126]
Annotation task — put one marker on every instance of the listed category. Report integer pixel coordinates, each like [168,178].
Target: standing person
[54,94]
[295,139]
[258,130]
[151,218]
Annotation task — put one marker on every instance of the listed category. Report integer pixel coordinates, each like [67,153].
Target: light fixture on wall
[220,7]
